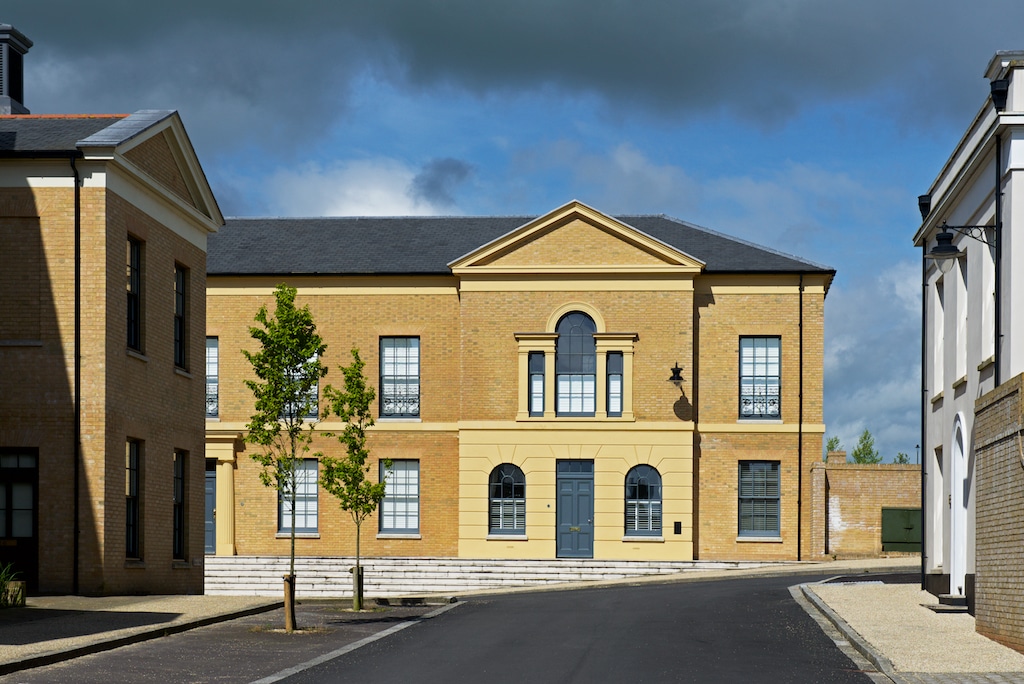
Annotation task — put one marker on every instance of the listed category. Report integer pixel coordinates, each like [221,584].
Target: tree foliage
[346,478]
[902,458]
[833,444]
[288,370]
[865,451]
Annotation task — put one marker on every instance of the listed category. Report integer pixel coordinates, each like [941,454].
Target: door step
[949,603]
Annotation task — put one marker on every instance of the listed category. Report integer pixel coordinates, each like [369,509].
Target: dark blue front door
[211,506]
[575,509]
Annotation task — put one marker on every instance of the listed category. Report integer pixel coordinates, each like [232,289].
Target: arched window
[507,500]
[575,365]
[643,501]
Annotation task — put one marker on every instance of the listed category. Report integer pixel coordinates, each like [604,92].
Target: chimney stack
[13,46]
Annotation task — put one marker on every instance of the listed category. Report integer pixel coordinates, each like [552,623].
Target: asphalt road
[738,630]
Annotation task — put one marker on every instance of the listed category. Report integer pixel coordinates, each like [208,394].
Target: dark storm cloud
[282,69]
[437,182]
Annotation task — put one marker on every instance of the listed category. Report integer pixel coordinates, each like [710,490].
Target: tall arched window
[575,365]
[507,500]
[643,501]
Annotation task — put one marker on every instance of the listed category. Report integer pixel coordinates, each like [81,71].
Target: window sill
[625,418]
[760,421]
[298,535]
[182,372]
[398,535]
[506,537]
[759,540]
[409,419]
[135,354]
[641,538]
[212,419]
[959,382]
[990,361]
[134,564]
[180,564]
[21,343]
[937,398]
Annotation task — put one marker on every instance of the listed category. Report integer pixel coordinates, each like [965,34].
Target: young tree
[345,478]
[865,451]
[902,458]
[831,444]
[288,370]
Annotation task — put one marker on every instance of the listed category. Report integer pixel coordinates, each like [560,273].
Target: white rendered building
[973,310]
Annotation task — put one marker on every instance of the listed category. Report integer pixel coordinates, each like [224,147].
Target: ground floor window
[507,500]
[305,513]
[759,499]
[178,505]
[643,501]
[400,509]
[133,499]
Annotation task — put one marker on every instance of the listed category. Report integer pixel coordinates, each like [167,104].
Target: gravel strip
[894,620]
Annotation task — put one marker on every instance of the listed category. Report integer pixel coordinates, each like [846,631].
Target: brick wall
[848,499]
[999,559]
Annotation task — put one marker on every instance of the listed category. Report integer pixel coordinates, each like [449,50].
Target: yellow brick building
[101,428]
[572,385]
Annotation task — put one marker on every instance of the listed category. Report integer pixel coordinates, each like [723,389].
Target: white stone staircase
[330,577]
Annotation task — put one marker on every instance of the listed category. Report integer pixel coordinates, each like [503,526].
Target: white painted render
[960,345]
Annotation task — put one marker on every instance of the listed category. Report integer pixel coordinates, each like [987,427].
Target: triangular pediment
[575,238]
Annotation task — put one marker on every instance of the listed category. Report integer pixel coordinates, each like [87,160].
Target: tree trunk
[289,603]
[357,576]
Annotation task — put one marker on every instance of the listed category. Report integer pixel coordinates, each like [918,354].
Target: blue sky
[808,126]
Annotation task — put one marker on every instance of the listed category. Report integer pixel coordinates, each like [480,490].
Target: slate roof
[48,135]
[425,245]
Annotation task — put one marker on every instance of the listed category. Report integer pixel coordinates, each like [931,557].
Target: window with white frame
[536,383]
[212,377]
[507,498]
[759,493]
[305,507]
[760,377]
[576,365]
[614,384]
[399,377]
[400,509]
[643,501]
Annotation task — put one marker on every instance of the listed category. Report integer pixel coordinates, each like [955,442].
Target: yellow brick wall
[998,603]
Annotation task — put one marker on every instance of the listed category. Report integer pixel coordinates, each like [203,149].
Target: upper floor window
[134,286]
[507,500]
[760,378]
[306,406]
[180,316]
[576,365]
[536,383]
[212,377]
[399,377]
[614,386]
[643,501]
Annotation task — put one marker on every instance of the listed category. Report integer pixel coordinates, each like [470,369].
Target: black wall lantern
[677,377]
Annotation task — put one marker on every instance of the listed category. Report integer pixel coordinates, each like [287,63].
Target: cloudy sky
[809,126]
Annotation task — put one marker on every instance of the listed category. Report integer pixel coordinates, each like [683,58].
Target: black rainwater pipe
[78,370]
[924,402]
[999,258]
[800,437]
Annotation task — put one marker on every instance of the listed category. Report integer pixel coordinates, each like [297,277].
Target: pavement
[869,610]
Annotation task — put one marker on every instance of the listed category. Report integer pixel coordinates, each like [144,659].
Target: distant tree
[833,444]
[288,370]
[865,451]
[345,478]
[902,458]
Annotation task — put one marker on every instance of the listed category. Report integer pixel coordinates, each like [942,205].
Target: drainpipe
[999,257]
[78,371]
[924,402]
[800,437]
